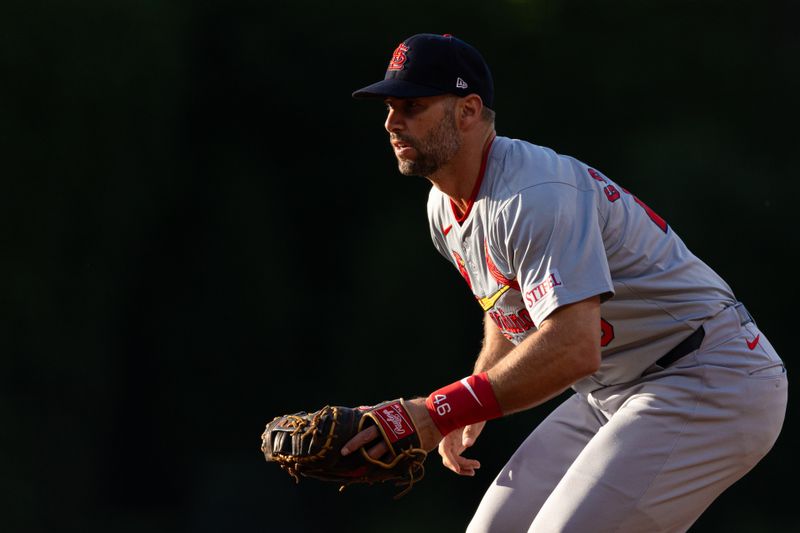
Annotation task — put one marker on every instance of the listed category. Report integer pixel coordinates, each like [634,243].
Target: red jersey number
[612,194]
[606,332]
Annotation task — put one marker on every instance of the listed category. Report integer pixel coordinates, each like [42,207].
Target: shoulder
[539,209]
[522,174]
[516,166]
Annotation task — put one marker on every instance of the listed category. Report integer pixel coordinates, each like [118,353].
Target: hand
[454,444]
[429,435]
[362,438]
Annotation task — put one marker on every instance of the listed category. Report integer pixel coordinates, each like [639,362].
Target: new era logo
[461,84]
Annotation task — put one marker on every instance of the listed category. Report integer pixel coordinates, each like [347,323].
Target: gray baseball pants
[650,455]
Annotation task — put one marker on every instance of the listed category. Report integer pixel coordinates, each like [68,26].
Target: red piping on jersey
[460,219]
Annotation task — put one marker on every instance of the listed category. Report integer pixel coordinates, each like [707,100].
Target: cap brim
[397,89]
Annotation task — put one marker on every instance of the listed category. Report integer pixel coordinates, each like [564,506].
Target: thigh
[525,482]
[674,442]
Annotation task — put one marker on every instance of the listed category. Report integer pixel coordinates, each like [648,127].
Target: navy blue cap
[427,64]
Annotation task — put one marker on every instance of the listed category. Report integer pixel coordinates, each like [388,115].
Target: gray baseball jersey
[545,230]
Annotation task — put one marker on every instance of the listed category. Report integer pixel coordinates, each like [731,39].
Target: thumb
[471,433]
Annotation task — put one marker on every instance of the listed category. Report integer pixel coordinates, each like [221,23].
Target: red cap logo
[398,57]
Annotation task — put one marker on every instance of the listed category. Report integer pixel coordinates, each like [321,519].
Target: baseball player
[677,392]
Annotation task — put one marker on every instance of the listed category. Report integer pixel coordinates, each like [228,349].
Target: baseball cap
[427,64]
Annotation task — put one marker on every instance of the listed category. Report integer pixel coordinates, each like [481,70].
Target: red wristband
[463,403]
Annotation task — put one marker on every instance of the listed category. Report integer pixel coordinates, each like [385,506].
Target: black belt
[687,346]
[693,341]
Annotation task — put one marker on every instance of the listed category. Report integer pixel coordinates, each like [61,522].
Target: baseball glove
[309,445]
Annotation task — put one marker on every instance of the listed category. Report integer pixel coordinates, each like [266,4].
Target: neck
[457,178]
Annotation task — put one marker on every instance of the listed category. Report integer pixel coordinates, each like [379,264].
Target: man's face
[423,133]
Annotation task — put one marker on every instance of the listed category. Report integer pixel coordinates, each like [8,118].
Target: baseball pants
[650,455]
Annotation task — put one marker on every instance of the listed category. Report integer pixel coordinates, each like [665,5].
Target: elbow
[587,358]
[593,360]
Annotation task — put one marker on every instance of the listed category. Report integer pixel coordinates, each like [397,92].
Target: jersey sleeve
[551,237]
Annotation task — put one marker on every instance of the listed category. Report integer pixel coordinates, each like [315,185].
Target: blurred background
[201,230]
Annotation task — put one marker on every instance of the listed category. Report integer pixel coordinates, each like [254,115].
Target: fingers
[449,451]
[450,448]
[462,466]
[467,467]
[377,451]
[454,444]
[360,439]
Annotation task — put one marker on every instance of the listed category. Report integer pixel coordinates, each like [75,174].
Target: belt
[693,341]
[744,315]
[687,345]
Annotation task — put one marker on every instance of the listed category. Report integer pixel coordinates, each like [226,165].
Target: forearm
[495,346]
[562,351]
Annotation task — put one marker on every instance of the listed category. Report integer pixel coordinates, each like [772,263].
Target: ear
[469,110]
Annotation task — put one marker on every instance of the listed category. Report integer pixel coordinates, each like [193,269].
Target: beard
[434,150]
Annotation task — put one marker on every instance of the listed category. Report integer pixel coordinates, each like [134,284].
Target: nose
[394,122]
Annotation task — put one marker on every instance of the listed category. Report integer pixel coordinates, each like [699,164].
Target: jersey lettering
[512,323]
[612,194]
[538,291]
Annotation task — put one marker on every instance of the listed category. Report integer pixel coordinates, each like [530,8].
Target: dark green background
[201,230]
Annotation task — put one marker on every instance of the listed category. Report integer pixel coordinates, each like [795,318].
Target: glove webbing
[291,463]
